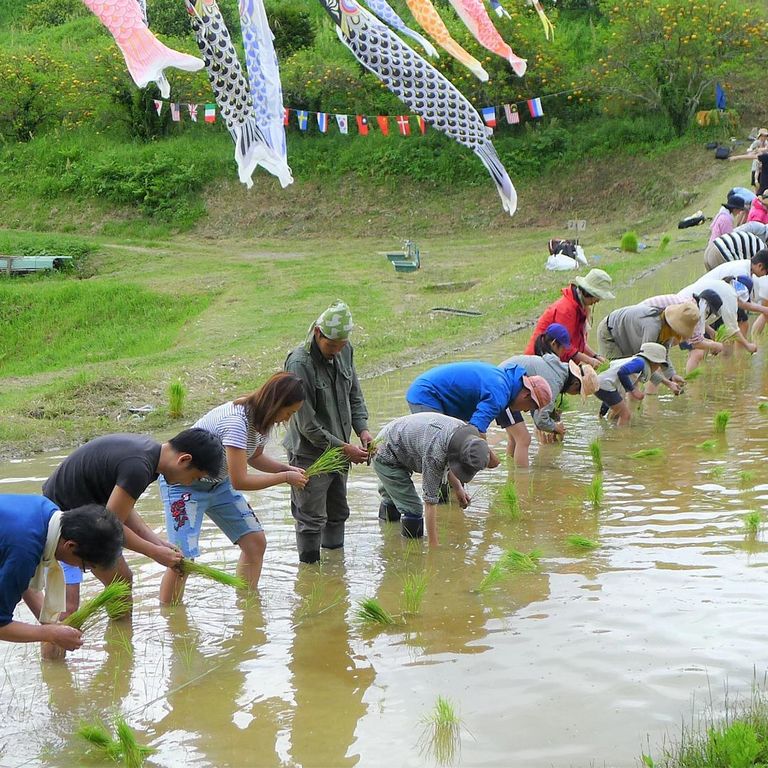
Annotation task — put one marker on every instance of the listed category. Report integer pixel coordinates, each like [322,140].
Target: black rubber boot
[412,527]
[444,494]
[308,545]
[332,536]
[388,512]
[604,409]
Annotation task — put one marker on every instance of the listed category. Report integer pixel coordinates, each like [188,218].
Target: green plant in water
[707,445]
[125,746]
[497,573]
[315,602]
[694,374]
[177,395]
[647,453]
[510,502]
[370,611]
[752,521]
[134,753]
[414,589]
[763,407]
[630,242]
[716,473]
[441,737]
[331,460]
[595,491]
[746,478]
[519,561]
[721,421]
[115,597]
[215,574]
[596,451]
[582,542]
[664,243]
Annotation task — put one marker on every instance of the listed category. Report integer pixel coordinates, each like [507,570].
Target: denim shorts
[186,505]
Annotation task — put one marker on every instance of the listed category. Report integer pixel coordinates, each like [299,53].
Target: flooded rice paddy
[578,664]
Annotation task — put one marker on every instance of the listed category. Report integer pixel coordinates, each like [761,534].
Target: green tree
[667,55]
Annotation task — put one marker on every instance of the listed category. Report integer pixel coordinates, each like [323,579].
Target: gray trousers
[712,257]
[321,506]
[606,345]
[396,487]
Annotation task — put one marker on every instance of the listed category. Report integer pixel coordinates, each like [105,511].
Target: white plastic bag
[560,262]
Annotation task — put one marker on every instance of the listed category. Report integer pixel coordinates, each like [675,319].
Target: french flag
[534,107]
[489,115]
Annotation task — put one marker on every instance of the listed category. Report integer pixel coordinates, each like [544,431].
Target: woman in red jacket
[572,311]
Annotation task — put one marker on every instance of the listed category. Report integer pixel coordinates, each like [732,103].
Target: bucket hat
[587,378]
[682,319]
[468,453]
[597,283]
[653,352]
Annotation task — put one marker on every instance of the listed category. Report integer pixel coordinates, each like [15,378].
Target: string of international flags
[323,120]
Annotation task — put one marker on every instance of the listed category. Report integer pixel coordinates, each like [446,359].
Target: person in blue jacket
[34,536]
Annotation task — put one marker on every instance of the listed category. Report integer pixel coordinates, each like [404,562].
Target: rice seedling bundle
[603,367]
[370,611]
[441,737]
[414,589]
[694,374]
[707,445]
[582,542]
[177,394]
[115,599]
[763,407]
[497,573]
[752,521]
[721,421]
[125,747]
[630,242]
[96,734]
[723,334]
[595,491]
[596,451]
[519,561]
[647,453]
[215,574]
[331,460]
[133,753]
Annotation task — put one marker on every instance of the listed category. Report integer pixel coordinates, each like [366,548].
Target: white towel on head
[49,576]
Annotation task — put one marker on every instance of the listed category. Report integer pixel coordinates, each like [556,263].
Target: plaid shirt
[419,443]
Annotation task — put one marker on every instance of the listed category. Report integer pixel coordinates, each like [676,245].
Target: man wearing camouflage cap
[334,406]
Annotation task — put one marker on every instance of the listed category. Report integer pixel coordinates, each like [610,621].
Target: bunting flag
[302,115]
[422,124]
[343,123]
[404,125]
[210,113]
[286,116]
[489,115]
[158,106]
[263,74]
[362,125]
[322,122]
[383,122]
[232,94]
[513,116]
[175,113]
[192,112]
[534,107]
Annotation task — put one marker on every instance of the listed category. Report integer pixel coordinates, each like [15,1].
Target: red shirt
[568,312]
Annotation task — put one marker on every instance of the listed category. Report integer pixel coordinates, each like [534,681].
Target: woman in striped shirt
[243,425]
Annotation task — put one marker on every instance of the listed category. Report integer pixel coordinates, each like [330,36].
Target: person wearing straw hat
[620,381]
[570,379]
[438,447]
[572,310]
[625,330]
[333,408]
[35,537]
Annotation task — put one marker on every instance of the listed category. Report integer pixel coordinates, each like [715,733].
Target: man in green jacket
[334,406]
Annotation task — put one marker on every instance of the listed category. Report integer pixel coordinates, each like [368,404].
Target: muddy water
[576,665]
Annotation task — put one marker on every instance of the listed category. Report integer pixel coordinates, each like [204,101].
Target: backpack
[721,153]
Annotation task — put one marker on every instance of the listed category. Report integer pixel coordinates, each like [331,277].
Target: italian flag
[210,113]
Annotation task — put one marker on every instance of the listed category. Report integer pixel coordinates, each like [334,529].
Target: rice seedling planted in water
[707,445]
[177,394]
[414,589]
[716,473]
[215,574]
[497,573]
[596,451]
[115,597]
[331,460]
[647,453]
[721,421]
[746,478]
[763,407]
[752,521]
[441,737]
[582,542]
[595,491]
[124,747]
[510,502]
[134,753]
[370,611]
